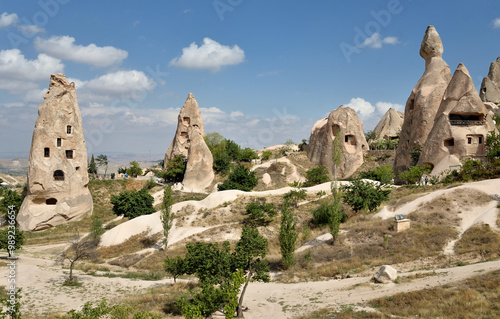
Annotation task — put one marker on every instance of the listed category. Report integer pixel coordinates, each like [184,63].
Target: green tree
[174,170]
[133,203]
[247,155]
[174,267]
[266,155]
[11,239]
[134,169]
[316,175]
[259,213]
[92,169]
[303,145]
[414,173]
[292,197]
[336,156]
[370,135]
[241,178]
[493,146]
[102,160]
[287,235]
[11,198]
[361,195]
[233,150]
[166,215]
[384,174]
[217,145]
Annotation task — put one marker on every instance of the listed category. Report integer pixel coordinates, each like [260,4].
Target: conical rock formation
[389,126]
[352,141]
[188,141]
[461,126]
[425,98]
[57,173]
[490,87]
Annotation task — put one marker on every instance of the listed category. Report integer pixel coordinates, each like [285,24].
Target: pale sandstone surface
[490,87]
[390,125]
[57,172]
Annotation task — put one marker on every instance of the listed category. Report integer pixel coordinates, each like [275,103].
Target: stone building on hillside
[422,105]
[188,141]
[57,172]
[461,126]
[343,121]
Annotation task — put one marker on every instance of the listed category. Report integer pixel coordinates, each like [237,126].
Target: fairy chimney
[423,103]
[189,142]
[344,123]
[461,126]
[389,126]
[490,87]
[57,172]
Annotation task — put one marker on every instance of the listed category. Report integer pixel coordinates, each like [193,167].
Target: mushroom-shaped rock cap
[431,46]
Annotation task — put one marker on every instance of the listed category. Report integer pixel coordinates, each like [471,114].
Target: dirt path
[283,301]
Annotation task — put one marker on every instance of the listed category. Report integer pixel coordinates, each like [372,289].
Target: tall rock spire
[57,172]
[490,87]
[423,103]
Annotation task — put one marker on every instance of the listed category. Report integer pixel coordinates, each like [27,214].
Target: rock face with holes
[461,126]
[344,124]
[57,172]
[389,126]
[490,87]
[423,103]
[188,141]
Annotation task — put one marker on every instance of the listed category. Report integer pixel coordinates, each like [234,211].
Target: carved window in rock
[466,119]
[46,152]
[68,129]
[69,154]
[59,142]
[51,201]
[449,143]
[475,145]
[350,140]
[58,175]
[186,121]
[184,136]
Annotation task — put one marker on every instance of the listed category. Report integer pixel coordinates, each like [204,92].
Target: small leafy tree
[174,170]
[303,145]
[166,215]
[241,178]
[287,235]
[78,250]
[292,197]
[361,195]
[11,240]
[316,175]
[247,154]
[415,154]
[414,174]
[133,203]
[102,160]
[11,198]
[259,213]
[174,267]
[266,155]
[92,168]
[384,174]
[134,169]
[493,146]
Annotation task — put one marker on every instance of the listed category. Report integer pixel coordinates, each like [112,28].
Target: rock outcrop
[490,87]
[385,274]
[344,123]
[423,103]
[57,172]
[188,141]
[389,126]
[461,126]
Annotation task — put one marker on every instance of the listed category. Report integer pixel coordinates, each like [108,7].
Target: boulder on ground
[344,123]
[423,103]
[386,274]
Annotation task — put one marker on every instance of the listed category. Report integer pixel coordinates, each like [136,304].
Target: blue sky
[262,71]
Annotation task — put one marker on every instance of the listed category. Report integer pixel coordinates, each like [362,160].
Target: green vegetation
[384,174]
[174,267]
[104,310]
[11,240]
[92,166]
[259,213]
[362,195]
[266,155]
[414,174]
[225,151]
[241,178]
[102,160]
[134,169]
[11,198]
[287,235]
[383,144]
[166,215]
[317,175]
[133,203]
[174,172]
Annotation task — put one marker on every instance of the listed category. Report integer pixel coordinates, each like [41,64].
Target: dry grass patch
[481,241]
[131,245]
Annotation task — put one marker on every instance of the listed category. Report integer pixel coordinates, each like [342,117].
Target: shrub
[11,198]
[384,174]
[317,175]
[287,236]
[174,171]
[259,213]
[362,195]
[413,174]
[134,169]
[133,203]
[248,154]
[266,155]
[241,178]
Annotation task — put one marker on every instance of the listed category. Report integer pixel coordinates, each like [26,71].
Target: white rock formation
[389,126]
[490,87]
[386,274]
[57,173]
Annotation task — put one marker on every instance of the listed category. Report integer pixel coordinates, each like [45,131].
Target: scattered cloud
[64,47]
[376,41]
[136,23]
[370,114]
[187,11]
[8,19]
[17,74]
[269,73]
[496,23]
[31,29]
[362,107]
[210,55]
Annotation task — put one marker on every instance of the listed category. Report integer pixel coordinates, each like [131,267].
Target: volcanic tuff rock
[490,87]
[461,125]
[424,100]
[344,121]
[57,172]
[188,141]
[389,126]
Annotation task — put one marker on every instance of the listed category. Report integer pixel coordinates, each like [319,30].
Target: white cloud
[63,47]
[17,74]
[8,19]
[31,29]
[376,41]
[210,55]
[383,107]
[362,107]
[370,115]
[496,23]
